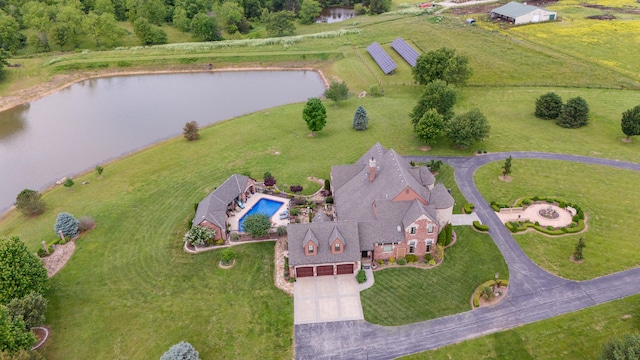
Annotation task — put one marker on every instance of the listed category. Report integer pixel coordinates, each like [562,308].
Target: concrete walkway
[534,294]
[464,219]
[370,280]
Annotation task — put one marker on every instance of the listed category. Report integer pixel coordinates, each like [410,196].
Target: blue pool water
[263,206]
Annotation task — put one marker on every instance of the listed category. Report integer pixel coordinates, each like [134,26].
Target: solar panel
[405,50]
[382,58]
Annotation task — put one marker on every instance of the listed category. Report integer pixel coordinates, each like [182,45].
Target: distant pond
[97,120]
[335,14]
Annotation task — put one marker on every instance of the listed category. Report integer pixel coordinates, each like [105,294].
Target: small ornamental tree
[270,181]
[506,169]
[30,309]
[99,170]
[67,224]
[549,106]
[631,122]
[181,351]
[360,119]
[627,348]
[315,115]
[68,183]
[337,91]
[197,235]
[21,272]
[227,256]
[575,113]
[430,127]
[190,131]
[257,225]
[577,253]
[30,203]
[13,335]
[266,175]
[295,188]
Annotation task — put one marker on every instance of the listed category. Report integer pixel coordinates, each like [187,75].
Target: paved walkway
[534,294]
[326,299]
[464,219]
[370,280]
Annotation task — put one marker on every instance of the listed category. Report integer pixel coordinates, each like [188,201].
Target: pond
[335,14]
[96,120]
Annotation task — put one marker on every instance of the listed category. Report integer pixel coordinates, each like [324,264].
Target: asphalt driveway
[326,299]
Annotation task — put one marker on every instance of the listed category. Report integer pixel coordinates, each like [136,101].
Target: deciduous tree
[549,106]
[9,33]
[337,91]
[442,64]
[148,34]
[315,115]
[575,113]
[21,272]
[205,27]
[506,169]
[29,202]
[309,11]
[31,309]
[256,225]
[430,127]
[436,95]
[4,56]
[631,122]
[13,336]
[465,129]
[280,23]
[360,119]
[625,348]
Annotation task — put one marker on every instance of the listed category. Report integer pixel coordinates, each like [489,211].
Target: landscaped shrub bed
[480,227]
[480,289]
[576,225]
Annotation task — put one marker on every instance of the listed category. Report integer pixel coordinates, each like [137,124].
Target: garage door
[345,269]
[324,270]
[304,271]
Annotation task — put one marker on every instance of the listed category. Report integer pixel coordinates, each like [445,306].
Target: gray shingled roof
[213,208]
[324,233]
[423,175]
[514,9]
[440,197]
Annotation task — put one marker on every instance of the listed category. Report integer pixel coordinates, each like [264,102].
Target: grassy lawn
[578,335]
[400,294]
[608,196]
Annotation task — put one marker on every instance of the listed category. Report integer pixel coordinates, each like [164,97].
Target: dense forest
[65,25]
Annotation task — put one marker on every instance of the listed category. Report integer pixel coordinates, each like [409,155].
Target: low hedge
[468,208]
[480,227]
[515,227]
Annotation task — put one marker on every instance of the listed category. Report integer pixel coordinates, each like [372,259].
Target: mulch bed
[42,334]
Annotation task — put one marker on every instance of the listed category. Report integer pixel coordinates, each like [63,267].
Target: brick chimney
[372,169]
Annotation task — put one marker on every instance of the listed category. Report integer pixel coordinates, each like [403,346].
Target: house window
[310,249]
[412,247]
[412,230]
[430,228]
[337,247]
[387,248]
[429,243]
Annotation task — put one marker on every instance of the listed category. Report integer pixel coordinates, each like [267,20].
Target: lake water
[335,14]
[97,120]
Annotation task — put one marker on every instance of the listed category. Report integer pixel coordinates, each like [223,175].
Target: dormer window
[430,228]
[336,247]
[412,230]
[310,249]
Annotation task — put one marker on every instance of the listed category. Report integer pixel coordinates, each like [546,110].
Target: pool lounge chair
[285,212]
[240,204]
[284,216]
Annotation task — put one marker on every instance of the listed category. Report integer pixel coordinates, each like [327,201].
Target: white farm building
[519,14]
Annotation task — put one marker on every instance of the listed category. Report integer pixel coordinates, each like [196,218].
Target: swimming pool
[263,206]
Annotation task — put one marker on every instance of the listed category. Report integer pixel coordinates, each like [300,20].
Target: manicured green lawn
[399,295]
[578,335]
[608,196]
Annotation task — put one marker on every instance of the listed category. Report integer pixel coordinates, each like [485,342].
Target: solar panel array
[407,52]
[382,58]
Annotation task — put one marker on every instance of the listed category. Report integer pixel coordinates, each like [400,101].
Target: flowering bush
[197,235]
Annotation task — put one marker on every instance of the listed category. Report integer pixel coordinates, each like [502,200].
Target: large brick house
[213,210]
[383,208]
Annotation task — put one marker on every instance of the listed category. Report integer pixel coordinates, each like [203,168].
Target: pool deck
[251,201]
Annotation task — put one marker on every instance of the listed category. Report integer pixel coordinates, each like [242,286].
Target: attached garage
[345,269]
[304,271]
[324,270]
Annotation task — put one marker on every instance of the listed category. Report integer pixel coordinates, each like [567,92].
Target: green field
[608,197]
[130,290]
[578,335]
[399,295]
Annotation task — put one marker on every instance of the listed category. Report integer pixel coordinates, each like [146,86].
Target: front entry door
[402,252]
